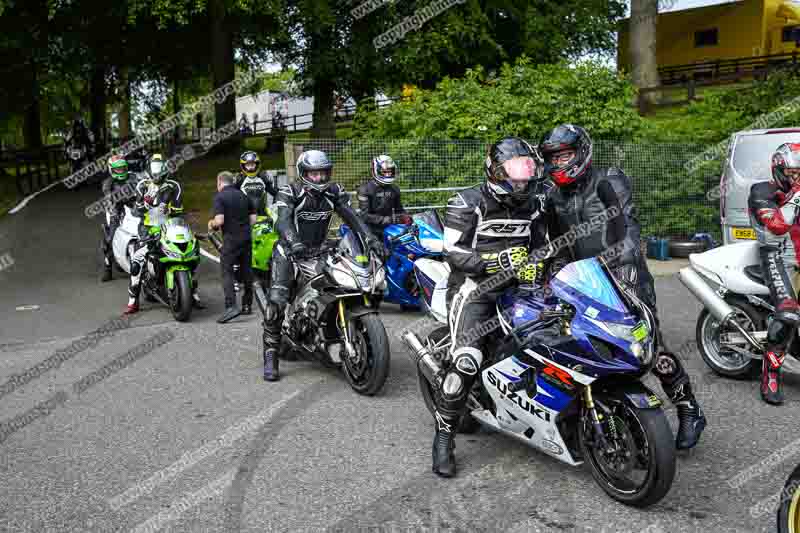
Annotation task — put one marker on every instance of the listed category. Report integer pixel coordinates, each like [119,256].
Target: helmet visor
[119,171]
[250,166]
[561,158]
[318,176]
[157,168]
[518,172]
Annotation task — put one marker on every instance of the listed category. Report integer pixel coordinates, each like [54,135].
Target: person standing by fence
[234,214]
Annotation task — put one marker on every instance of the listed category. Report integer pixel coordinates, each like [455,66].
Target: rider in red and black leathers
[488,230]
[305,210]
[582,193]
[773,216]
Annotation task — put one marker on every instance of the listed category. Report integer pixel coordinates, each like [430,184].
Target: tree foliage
[523,99]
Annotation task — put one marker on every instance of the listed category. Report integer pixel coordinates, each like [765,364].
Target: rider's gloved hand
[509,259]
[297,249]
[404,219]
[375,246]
[530,272]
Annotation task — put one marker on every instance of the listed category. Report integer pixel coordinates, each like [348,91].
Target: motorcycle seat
[755,273]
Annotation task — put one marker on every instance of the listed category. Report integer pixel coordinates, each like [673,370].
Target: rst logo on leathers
[505,228]
[314,215]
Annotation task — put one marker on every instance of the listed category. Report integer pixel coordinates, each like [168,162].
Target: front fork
[351,351]
[597,425]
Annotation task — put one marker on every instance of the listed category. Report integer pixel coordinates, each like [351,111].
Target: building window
[791,34]
[706,37]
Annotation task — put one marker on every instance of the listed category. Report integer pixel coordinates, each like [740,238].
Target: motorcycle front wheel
[789,505]
[180,297]
[368,371]
[636,466]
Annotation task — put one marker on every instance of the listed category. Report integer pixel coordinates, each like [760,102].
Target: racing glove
[404,219]
[297,249]
[375,246]
[509,259]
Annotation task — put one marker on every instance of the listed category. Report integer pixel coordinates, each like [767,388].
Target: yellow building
[743,29]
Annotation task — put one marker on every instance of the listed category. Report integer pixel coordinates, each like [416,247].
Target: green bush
[523,99]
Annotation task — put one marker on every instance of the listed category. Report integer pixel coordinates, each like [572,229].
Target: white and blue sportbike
[564,376]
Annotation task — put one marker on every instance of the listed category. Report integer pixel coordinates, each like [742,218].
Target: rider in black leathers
[379,199]
[582,193]
[765,202]
[305,210]
[80,137]
[119,191]
[256,185]
[488,231]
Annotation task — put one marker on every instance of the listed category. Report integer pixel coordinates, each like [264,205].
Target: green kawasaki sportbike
[264,238]
[169,266]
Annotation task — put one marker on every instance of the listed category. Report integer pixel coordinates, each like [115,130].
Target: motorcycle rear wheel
[648,432]
[730,365]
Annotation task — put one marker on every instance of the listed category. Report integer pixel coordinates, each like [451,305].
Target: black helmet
[249,163]
[511,164]
[314,169]
[567,137]
[157,168]
[786,156]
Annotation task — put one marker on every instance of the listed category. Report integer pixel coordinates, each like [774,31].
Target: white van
[748,162]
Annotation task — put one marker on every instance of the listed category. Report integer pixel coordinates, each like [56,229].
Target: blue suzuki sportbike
[407,243]
[562,374]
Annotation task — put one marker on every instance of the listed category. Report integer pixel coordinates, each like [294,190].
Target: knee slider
[136,268]
[778,331]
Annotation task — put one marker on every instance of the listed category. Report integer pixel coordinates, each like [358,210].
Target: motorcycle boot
[451,401]
[675,382]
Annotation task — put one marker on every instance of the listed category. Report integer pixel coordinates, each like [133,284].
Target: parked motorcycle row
[566,378]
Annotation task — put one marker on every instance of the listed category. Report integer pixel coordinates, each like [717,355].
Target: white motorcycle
[732,329]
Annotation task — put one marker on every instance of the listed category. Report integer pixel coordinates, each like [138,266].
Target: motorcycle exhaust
[422,357]
[712,301]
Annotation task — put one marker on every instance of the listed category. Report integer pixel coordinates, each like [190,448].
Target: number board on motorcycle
[744,233]
[640,331]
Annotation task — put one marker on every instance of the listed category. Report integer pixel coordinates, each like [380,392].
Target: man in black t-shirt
[234,213]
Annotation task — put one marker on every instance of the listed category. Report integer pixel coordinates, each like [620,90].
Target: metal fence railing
[670,201]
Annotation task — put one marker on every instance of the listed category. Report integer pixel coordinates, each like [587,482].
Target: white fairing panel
[521,416]
[439,272]
[127,231]
[728,263]
[434,245]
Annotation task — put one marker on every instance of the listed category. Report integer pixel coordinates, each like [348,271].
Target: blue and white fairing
[599,345]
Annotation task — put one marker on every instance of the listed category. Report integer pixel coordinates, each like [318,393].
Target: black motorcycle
[333,319]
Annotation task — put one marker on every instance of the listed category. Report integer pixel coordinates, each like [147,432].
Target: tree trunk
[324,127]
[222,66]
[176,107]
[98,105]
[125,129]
[644,14]
[32,126]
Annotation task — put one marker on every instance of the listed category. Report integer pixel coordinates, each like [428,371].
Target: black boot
[771,378]
[271,364]
[107,274]
[691,420]
[444,458]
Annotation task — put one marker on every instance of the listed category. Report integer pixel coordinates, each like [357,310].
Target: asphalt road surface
[155,425]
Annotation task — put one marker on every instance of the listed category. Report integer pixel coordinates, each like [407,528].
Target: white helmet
[384,169]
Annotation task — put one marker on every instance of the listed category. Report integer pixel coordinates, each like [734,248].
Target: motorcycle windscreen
[431,219]
[351,246]
[588,279]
